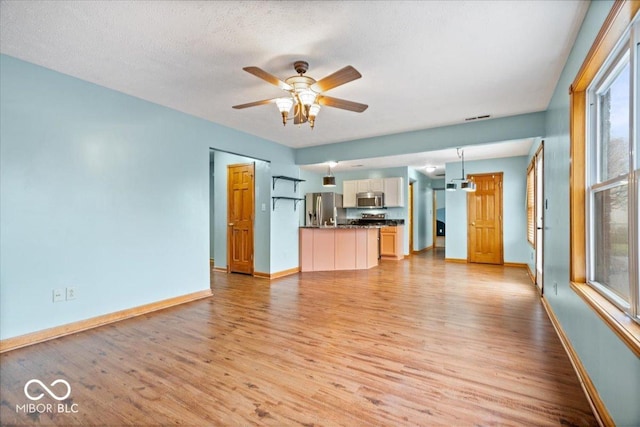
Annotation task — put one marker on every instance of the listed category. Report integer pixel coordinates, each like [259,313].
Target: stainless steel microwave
[370,200]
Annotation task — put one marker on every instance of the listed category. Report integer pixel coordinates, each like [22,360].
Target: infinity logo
[52,394]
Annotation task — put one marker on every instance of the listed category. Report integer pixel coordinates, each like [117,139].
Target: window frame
[596,183]
[615,27]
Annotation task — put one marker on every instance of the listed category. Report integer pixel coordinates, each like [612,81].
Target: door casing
[539,212]
[410,207]
[484,219]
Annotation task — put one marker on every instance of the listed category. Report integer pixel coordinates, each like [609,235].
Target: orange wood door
[240,213]
[484,215]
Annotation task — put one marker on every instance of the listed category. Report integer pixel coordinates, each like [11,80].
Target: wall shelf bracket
[295,201]
[287,178]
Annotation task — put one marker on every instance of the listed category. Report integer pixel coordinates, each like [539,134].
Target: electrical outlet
[71,293]
[58,295]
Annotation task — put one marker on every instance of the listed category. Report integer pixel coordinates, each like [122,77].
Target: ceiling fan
[305,93]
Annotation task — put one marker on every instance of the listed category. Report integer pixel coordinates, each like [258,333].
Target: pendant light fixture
[465,184]
[329,180]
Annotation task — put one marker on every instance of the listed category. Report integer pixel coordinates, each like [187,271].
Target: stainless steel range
[373,220]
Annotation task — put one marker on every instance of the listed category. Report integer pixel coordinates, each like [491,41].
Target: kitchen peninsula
[353,246]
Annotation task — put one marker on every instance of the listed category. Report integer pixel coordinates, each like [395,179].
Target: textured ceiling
[424,63]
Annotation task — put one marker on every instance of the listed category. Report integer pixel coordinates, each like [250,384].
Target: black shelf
[276,198]
[287,178]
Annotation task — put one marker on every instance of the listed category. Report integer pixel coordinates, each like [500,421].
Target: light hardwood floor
[412,342]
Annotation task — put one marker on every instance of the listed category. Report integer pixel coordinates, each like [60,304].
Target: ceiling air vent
[469,119]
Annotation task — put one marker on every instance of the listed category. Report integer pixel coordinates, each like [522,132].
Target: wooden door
[240,214]
[484,215]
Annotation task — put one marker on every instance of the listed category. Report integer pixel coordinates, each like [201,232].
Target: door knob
[473,224]
[230,224]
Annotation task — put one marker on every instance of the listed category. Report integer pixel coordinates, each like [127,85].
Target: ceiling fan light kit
[305,93]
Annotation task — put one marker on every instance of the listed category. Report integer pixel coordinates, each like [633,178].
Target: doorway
[539,207]
[410,207]
[484,218]
[240,216]
[439,226]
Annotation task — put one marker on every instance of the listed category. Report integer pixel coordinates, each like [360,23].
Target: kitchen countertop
[358,223]
[342,226]
[389,223]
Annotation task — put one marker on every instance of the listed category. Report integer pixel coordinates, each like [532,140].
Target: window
[531,207]
[608,183]
[605,169]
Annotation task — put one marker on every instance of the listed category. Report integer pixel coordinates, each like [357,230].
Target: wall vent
[486,116]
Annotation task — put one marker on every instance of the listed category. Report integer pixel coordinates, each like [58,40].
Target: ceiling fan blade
[255,104]
[340,77]
[329,101]
[269,78]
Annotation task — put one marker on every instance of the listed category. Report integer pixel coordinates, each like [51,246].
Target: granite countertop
[388,223]
[343,226]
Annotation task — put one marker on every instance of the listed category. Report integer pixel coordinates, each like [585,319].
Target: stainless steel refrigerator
[324,209]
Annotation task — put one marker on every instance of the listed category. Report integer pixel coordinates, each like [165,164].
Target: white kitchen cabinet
[393,192]
[349,190]
[391,187]
[370,185]
[376,184]
[362,185]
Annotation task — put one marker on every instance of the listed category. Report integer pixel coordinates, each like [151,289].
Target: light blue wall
[613,368]
[460,135]
[514,211]
[104,192]
[285,220]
